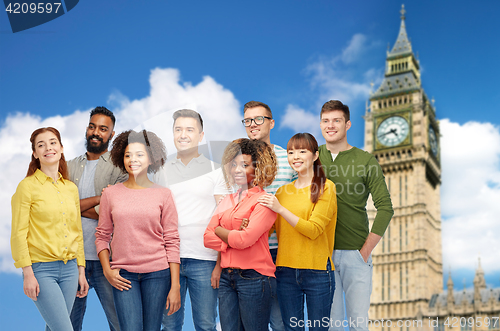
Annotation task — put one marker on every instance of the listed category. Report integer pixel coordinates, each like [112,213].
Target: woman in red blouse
[247,281]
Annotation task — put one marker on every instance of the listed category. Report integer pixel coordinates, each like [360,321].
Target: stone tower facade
[402,131]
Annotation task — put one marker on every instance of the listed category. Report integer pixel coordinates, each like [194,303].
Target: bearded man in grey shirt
[92,172]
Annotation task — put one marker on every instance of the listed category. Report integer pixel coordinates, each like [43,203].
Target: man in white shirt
[197,184]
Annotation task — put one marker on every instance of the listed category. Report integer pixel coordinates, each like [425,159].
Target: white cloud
[300,120]
[470,194]
[219,108]
[335,77]
[355,49]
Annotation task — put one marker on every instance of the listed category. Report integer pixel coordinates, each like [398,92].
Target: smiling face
[243,171]
[302,160]
[334,126]
[136,159]
[187,134]
[48,149]
[259,132]
[99,134]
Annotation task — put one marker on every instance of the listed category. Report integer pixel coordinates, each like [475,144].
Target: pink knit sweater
[141,226]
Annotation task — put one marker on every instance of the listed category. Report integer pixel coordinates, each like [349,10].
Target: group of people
[259,234]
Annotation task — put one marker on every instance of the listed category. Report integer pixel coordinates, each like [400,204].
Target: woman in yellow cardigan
[46,237]
[305,228]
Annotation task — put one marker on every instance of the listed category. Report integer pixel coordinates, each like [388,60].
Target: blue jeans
[58,285]
[245,300]
[103,289]
[195,275]
[276,319]
[354,279]
[141,307]
[317,286]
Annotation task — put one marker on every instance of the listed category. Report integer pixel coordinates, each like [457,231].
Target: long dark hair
[35,163]
[307,141]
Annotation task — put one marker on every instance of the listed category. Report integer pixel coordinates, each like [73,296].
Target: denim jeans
[103,289]
[195,276]
[245,300]
[276,319]
[317,286]
[58,285]
[141,307]
[354,279]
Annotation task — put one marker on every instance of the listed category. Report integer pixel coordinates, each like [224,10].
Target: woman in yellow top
[305,228]
[46,237]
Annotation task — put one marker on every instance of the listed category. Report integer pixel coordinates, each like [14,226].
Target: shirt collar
[250,192]
[42,177]
[200,160]
[105,157]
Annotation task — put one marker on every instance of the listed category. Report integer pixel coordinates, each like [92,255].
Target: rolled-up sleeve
[210,239]
[260,221]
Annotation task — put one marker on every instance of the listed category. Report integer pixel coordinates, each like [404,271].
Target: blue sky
[144,58]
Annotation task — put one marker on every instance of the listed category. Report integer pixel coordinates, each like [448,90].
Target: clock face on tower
[392,131]
[433,141]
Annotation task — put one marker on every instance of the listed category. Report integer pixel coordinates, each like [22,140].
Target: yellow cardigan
[310,244]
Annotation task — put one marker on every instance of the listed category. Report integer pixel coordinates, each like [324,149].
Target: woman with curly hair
[138,223]
[247,281]
[305,227]
[46,237]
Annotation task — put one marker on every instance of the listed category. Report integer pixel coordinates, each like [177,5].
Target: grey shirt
[105,174]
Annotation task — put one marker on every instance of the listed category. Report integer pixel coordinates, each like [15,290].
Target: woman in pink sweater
[247,281]
[138,223]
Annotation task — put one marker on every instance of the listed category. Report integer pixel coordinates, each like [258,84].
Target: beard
[96,149]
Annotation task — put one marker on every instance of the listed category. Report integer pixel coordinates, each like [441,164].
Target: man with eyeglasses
[258,121]
[91,172]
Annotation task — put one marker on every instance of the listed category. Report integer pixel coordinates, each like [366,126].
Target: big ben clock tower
[402,131]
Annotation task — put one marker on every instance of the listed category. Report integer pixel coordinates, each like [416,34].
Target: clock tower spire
[402,131]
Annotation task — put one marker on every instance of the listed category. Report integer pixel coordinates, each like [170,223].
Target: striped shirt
[284,176]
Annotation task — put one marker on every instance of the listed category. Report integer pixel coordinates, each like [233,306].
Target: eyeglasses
[259,120]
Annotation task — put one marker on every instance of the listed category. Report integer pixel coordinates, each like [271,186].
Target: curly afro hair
[263,159]
[154,146]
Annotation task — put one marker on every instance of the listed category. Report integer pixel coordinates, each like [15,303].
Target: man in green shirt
[356,174]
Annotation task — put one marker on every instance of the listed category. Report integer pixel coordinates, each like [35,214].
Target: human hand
[364,254]
[103,191]
[214,280]
[173,301]
[30,284]
[117,281]
[82,282]
[244,224]
[270,201]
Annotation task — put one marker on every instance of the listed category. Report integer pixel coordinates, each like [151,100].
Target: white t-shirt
[193,187]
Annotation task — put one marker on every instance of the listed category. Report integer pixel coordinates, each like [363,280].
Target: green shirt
[356,174]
